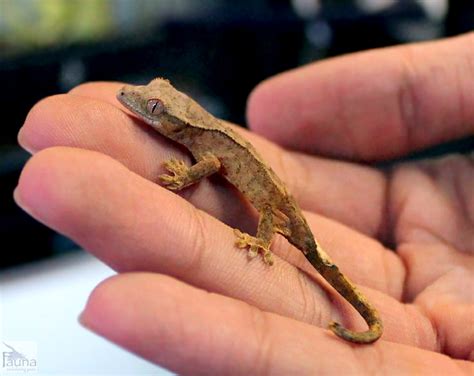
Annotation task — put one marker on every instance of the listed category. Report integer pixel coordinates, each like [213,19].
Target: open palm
[187,299]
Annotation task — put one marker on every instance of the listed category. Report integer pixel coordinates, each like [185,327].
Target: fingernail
[16,197]
[85,321]
[21,141]
[19,201]
[82,320]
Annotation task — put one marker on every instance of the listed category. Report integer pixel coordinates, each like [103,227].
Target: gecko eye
[155,106]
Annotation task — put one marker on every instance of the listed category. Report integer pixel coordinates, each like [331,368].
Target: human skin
[187,299]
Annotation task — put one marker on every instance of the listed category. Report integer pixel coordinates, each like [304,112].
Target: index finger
[371,105]
[90,117]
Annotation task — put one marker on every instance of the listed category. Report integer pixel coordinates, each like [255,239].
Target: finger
[121,200]
[433,198]
[111,212]
[433,208]
[67,120]
[89,118]
[449,304]
[133,224]
[433,212]
[193,332]
[102,90]
[372,105]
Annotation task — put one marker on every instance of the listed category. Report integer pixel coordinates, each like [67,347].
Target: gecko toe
[267,257]
[252,252]
[173,183]
[255,245]
[176,166]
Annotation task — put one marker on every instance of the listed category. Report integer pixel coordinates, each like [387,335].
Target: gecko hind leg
[282,223]
[261,242]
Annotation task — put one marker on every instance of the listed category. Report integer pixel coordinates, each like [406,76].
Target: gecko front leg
[262,241]
[183,176]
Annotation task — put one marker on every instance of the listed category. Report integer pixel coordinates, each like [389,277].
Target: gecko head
[155,103]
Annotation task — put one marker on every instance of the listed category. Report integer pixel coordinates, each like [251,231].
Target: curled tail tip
[373,334]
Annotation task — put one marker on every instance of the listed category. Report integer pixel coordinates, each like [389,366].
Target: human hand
[187,299]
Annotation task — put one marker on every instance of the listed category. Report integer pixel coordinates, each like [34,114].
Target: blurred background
[217,50]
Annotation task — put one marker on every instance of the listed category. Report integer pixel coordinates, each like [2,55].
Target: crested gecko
[216,148]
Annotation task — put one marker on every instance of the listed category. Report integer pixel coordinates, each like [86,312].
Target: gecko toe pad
[179,175]
[255,246]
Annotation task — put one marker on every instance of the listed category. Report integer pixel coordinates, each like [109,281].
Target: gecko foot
[255,245]
[179,177]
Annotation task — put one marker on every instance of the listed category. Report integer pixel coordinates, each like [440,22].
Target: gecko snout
[121,93]
[124,90]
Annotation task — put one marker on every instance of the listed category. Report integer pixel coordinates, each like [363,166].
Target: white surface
[40,303]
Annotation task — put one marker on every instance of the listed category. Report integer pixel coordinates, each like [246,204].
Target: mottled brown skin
[218,149]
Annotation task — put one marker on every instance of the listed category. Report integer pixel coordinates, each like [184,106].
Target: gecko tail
[349,291]
[302,238]
[369,336]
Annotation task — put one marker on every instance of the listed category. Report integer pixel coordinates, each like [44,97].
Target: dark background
[216,50]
